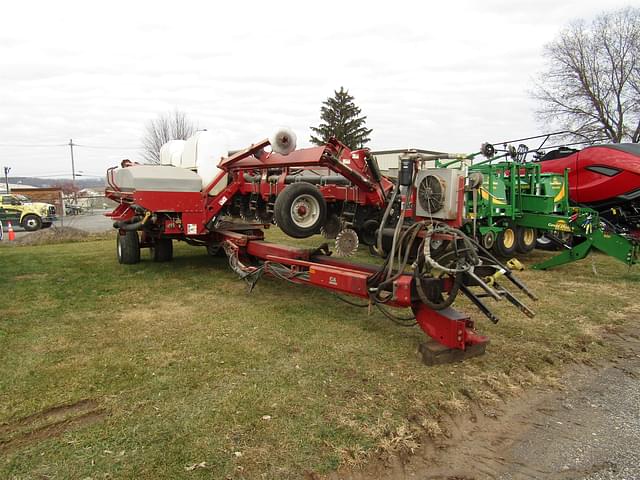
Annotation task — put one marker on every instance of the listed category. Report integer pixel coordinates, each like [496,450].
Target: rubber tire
[128,248]
[368,233]
[31,228]
[508,235]
[215,250]
[488,240]
[544,244]
[47,224]
[522,246]
[286,199]
[162,250]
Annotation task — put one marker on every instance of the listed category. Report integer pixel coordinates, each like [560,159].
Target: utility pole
[73,171]
[6,177]
[73,167]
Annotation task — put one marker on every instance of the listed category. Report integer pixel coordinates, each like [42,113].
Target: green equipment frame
[514,193]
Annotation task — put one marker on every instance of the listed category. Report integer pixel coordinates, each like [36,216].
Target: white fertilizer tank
[204,150]
[171,153]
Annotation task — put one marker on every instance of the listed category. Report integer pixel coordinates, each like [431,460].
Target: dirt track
[589,430]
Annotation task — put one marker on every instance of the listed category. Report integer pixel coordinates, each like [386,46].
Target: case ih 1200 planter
[158,204]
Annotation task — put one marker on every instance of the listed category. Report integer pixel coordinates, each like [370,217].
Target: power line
[37,175]
[102,147]
[12,145]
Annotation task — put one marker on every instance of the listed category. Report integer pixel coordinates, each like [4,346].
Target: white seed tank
[155,178]
[204,150]
[171,153]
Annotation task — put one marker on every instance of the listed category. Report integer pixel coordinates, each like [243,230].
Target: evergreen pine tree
[341,119]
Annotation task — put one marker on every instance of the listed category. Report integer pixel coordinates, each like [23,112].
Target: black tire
[505,245]
[526,239]
[300,210]
[543,242]
[368,233]
[215,250]
[162,250]
[488,240]
[46,224]
[331,227]
[128,248]
[31,223]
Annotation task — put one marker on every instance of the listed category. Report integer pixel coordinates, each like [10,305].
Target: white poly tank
[204,150]
[156,178]
[171,153]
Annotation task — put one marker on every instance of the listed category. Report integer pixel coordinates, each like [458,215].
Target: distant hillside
[93,182]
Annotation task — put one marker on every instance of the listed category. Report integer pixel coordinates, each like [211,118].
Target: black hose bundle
[429,273]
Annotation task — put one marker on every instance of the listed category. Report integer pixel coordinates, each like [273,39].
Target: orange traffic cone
[12,234]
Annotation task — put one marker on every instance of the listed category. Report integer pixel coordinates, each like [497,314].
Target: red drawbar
[448,327]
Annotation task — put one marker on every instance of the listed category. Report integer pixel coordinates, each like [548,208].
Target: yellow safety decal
[485,196]
[560,195]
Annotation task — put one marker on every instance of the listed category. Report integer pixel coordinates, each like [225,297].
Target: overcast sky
[437,75]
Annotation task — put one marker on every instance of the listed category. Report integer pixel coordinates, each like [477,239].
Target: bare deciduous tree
[167,126]
[592,83]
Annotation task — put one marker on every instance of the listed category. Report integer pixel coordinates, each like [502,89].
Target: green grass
[181,364]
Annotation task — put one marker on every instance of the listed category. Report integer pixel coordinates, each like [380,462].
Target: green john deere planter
[511,203]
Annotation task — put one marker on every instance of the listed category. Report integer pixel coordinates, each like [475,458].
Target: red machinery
[603,177]
[151,215]
[343,189]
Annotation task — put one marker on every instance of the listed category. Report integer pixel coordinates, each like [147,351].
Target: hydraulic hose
[134,223]
[128,225]
[385,217]
[396,232]
[432,304]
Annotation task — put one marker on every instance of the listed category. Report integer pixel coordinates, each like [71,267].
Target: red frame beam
[448,327]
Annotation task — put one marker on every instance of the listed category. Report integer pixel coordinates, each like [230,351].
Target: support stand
[434,353]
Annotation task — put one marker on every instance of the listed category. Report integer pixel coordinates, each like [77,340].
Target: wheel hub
[529,236]
[509,238]
[305,211]
[488,239]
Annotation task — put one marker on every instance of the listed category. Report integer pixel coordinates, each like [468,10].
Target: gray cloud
[444,76]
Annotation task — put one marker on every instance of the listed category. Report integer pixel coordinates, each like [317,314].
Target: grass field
[174,371]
